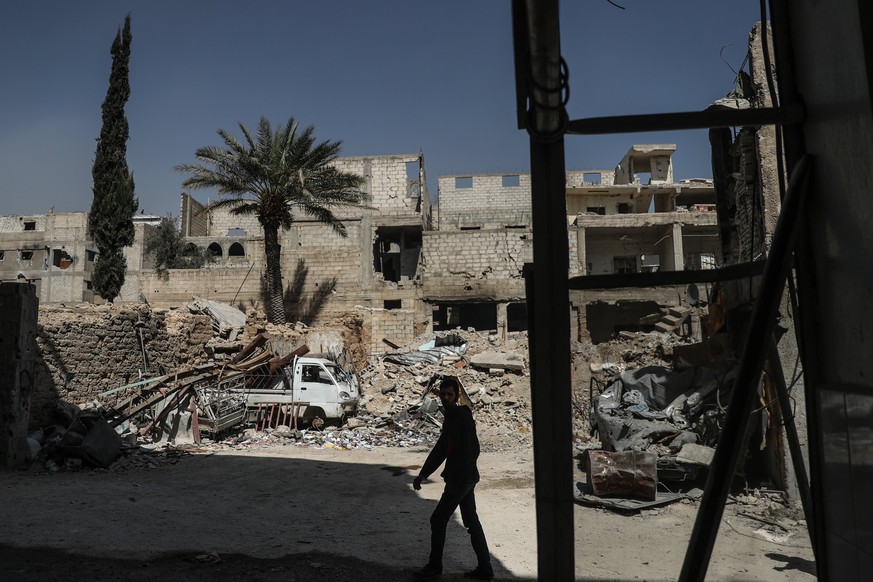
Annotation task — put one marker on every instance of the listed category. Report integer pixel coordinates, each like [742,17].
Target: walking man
[458,446]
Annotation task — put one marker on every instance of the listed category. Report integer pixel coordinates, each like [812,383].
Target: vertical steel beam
[549,301]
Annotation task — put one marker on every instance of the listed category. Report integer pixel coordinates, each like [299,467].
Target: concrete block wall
[15,223]
[464,263]
[577,178]
[396,325]
[221,221]
[194,221]
[488,203]
[385,180]
[66,227]
[84,351]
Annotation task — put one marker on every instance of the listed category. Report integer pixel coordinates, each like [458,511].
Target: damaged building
[633,218]
[413,267]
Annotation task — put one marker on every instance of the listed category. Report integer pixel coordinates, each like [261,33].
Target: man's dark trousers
[458,495]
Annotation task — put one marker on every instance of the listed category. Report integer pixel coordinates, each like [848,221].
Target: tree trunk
[273,250]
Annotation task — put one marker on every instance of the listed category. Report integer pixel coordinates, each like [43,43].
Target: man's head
[449,391]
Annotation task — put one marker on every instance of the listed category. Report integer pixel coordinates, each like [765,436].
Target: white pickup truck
[308,388]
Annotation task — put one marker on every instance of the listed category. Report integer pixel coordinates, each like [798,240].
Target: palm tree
[271,177]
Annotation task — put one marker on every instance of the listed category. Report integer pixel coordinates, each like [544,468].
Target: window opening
[236,232]
[413,178]
[236,250]
[601,210]
[91,256]
[26,255]
[30,225]
[392,304]
[624,207]
[215,250]
[511,181]
[396,251]
[464,182]
[623,265]
[479,316]
[61,259]
[591,177]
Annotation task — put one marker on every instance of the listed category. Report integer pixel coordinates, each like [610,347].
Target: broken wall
[485,263]
[84,351]
[387,181]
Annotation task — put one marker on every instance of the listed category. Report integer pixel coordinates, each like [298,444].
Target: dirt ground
[298,513]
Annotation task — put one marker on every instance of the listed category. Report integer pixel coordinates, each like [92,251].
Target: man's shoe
[429,572]
[480,574]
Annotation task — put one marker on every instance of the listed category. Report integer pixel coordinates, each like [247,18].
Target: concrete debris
[492,360]
[227,320]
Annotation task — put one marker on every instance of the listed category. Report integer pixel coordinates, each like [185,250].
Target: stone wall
[84,351]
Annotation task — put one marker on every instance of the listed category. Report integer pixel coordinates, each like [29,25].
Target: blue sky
[385,77]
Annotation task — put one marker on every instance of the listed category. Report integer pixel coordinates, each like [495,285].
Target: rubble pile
[499,394]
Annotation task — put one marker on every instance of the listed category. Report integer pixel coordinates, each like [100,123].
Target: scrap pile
[208,397]
[96,434]
[657,423]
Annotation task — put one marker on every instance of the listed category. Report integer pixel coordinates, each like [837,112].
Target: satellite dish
[692,295]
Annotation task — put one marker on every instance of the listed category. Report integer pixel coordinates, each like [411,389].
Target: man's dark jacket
[458,446]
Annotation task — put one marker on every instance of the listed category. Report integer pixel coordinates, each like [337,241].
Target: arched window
[215,250]
[236,250]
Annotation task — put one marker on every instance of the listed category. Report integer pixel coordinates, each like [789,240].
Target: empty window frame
[464,182]
[601,210]
[479,316]
[624,265]
[396,251]
[591,177]
[26,255]
[236,250]
[30,225]
[392,304]
[511,181]
[215,250]
[90,256]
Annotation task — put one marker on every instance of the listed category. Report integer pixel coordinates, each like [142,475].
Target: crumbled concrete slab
[498,360]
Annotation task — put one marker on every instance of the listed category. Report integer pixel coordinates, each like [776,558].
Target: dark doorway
[607,319]
[516,317]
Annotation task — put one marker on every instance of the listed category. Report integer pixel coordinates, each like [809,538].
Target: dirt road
[297,514]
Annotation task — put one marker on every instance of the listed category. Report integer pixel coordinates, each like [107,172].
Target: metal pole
[549,302]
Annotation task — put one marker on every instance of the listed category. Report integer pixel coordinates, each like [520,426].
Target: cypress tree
[111,219]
